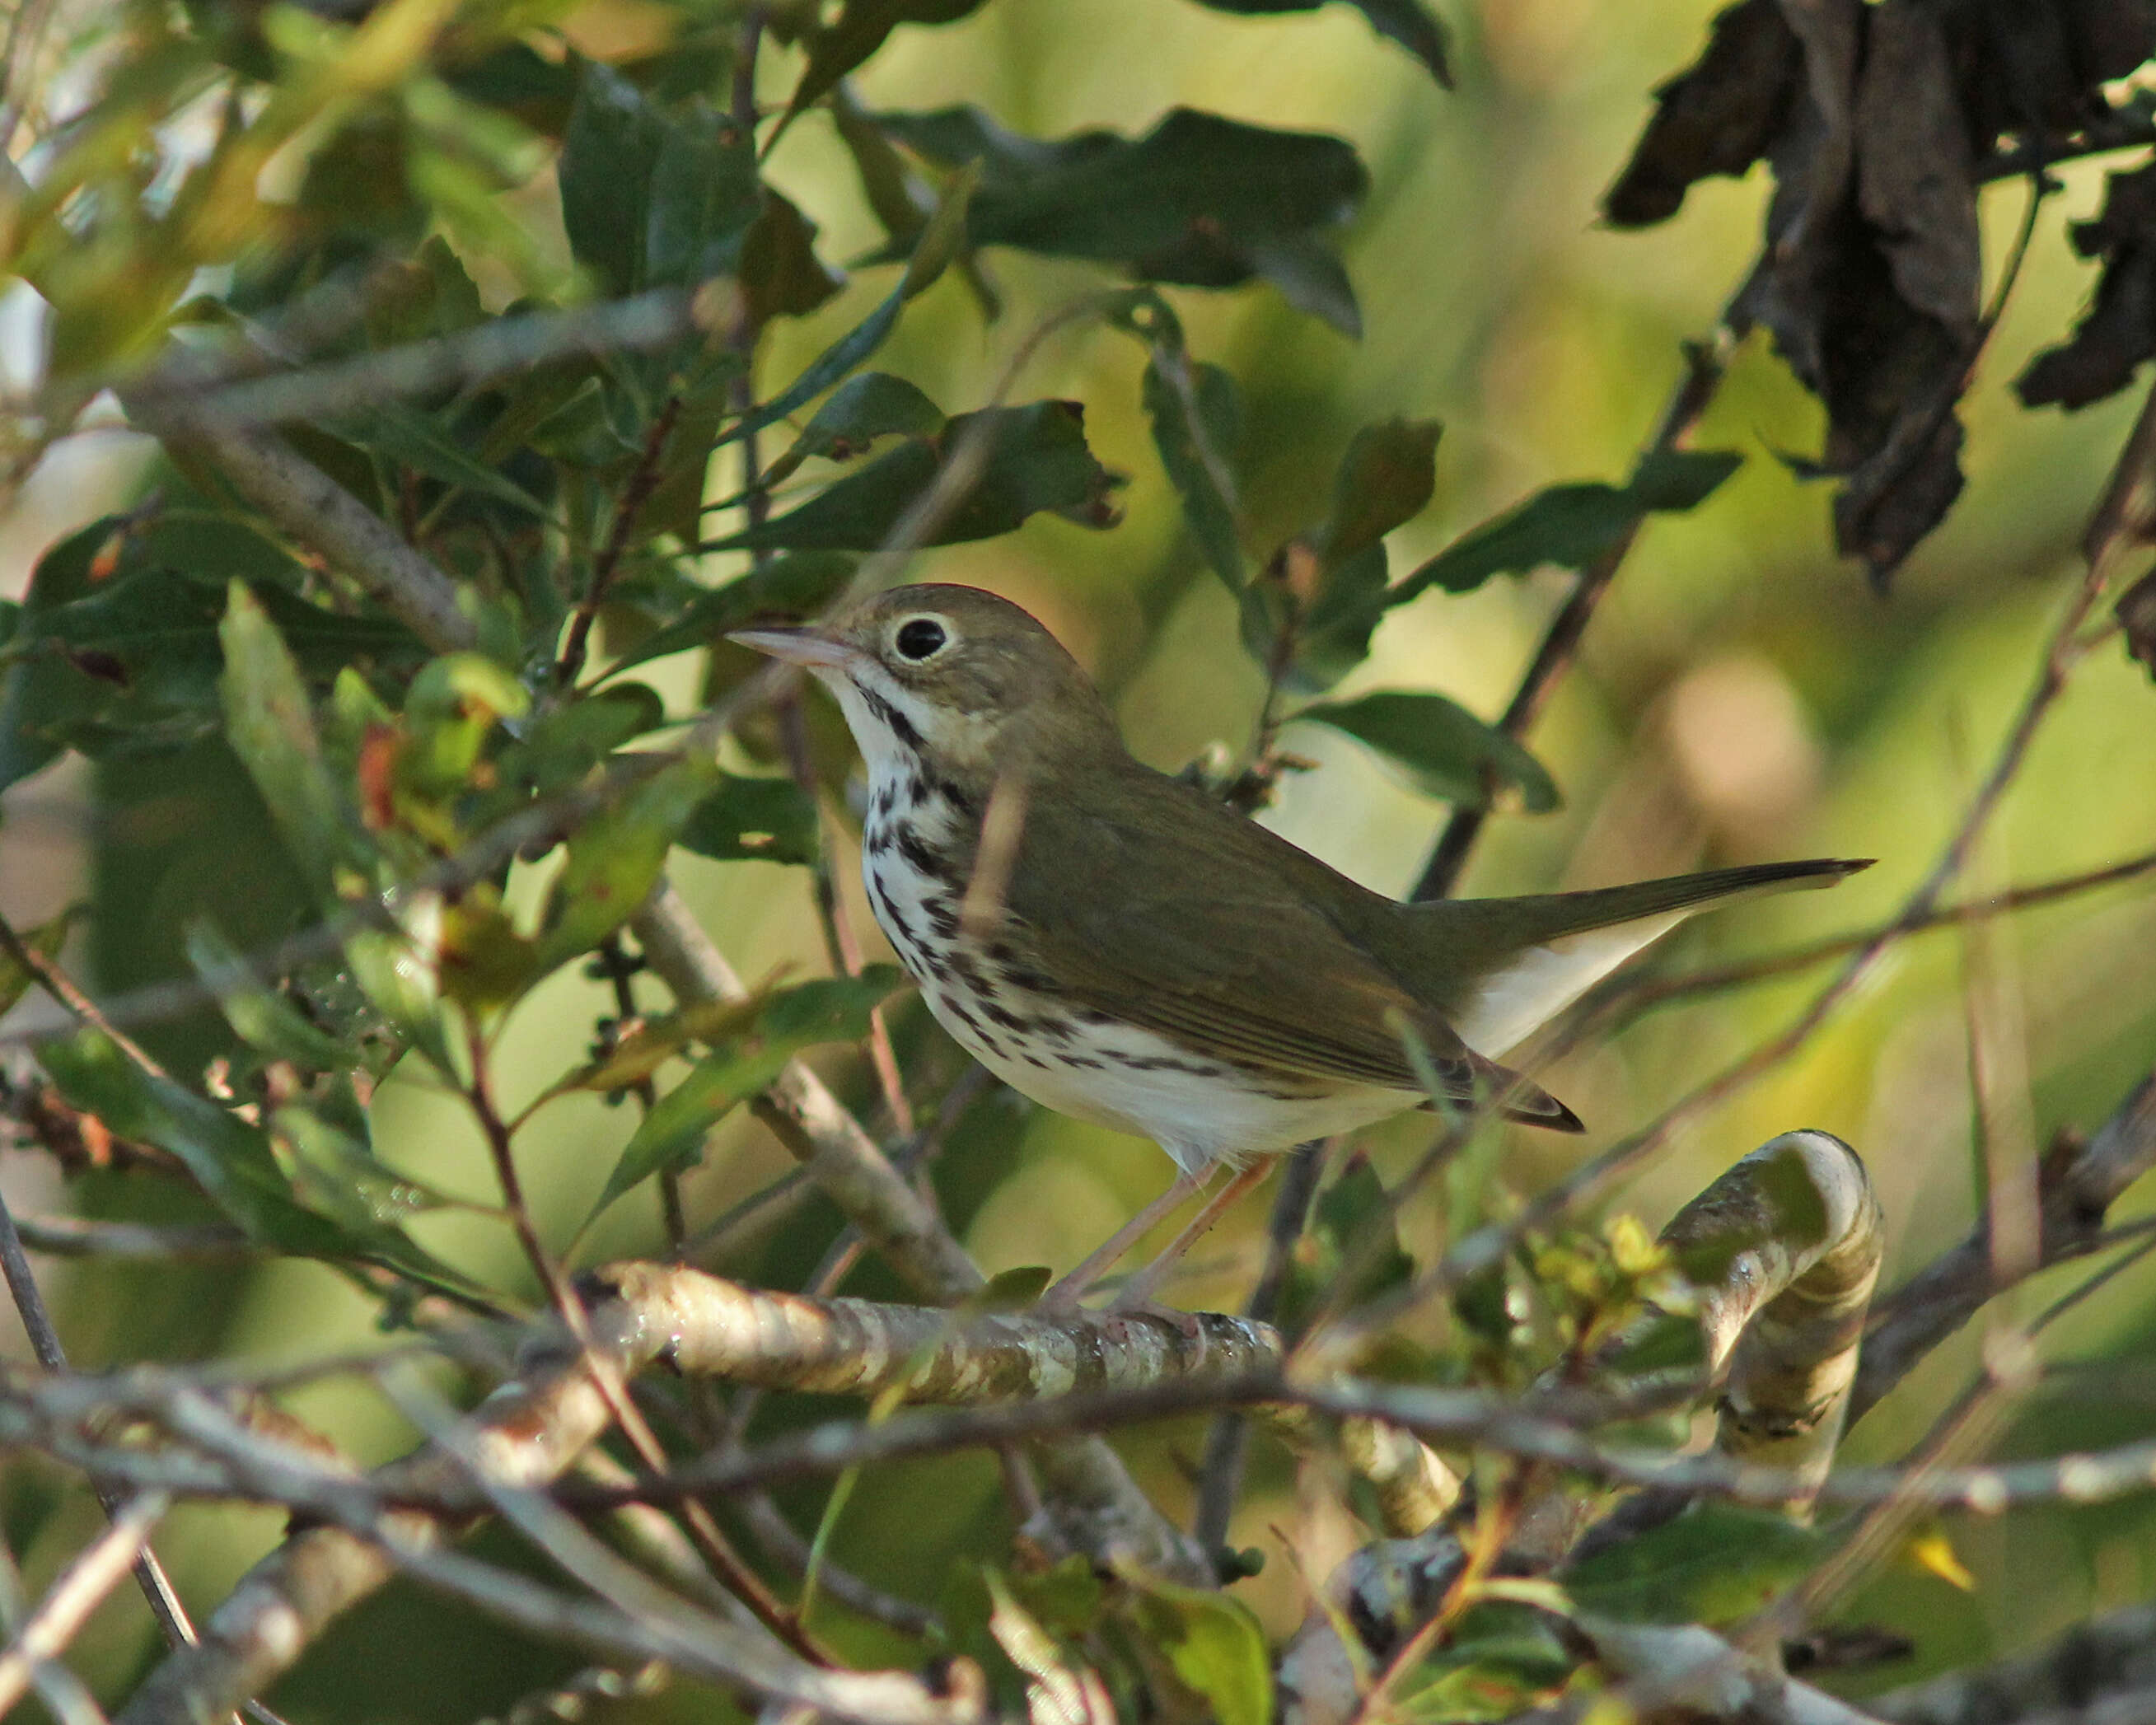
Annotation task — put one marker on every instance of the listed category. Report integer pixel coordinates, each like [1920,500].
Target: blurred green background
[1741,695]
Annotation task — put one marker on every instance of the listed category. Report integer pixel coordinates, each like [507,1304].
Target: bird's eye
[920,638]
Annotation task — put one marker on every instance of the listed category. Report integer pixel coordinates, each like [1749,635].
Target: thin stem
[1560,644]
[1640,996]
[58,984]
[717,1550]
[643,481]
[1494,1528]
[1220,1475]
[619,970]
[45,1344]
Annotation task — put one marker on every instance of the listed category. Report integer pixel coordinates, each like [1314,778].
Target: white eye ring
[917,640]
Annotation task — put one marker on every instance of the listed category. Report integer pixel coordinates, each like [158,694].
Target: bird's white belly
[1201,1111]
[1198,1120]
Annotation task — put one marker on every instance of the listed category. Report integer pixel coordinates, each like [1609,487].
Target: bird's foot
[1187,1323]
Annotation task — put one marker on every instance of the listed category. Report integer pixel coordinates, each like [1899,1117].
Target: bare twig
[1632,996]
[81,1587]
[150,1575]
[1220,1475]
[73,1237]
[63,987]
[2076,1188]
[717,1549]
[472,356]
[307,505]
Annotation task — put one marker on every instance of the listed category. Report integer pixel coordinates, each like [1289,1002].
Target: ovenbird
[1122,947]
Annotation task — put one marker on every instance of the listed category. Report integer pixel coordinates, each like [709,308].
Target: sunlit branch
[80,1588]
[491,350]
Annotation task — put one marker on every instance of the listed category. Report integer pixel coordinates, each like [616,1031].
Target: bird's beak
[808,647]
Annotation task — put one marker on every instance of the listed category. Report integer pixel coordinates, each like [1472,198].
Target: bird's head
[951,674]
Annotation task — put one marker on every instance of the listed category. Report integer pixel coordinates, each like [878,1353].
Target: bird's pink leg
[1066,1294]
[1136,1294]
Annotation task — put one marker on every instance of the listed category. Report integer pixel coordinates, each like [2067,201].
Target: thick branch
[841,1346]
[313,509]
[1784,1252]
[865,1348]
[1692,1673]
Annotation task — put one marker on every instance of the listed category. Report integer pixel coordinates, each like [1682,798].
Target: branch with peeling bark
[1779,1256]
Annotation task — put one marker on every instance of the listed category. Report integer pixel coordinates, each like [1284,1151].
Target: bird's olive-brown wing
[1144,899]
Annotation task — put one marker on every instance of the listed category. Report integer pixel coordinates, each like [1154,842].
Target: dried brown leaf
[1914,163]
[1718,117]
[1871,283]
[2118,331]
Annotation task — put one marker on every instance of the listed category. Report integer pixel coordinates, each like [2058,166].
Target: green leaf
[1200,199]
[781,275]
[1386,479]
[1679,480]
[1011,1290]
[271,728]
[1409,23]
[399,974]
[39,690]
[567,741]
[432,296]
[1446,750]
[1324,594]
[410,439]
[836,1009]
[1036,460]
[337,1174]
[1331,608]
[1352,1218]
[704,197]
[797,585]
[134,661]
[230,1159]
[857,32]
[863,408]
[1570,524]
[608,157]
[45,940]
[1215,1646]
[1502,1660]
[261,1017]
[1197,422]
[658,196]
[893,190]
[615,858]
[450,712]
[757,820]
[1711,1564]
[933,249]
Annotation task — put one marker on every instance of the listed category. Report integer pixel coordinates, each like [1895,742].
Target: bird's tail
[1501,968]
